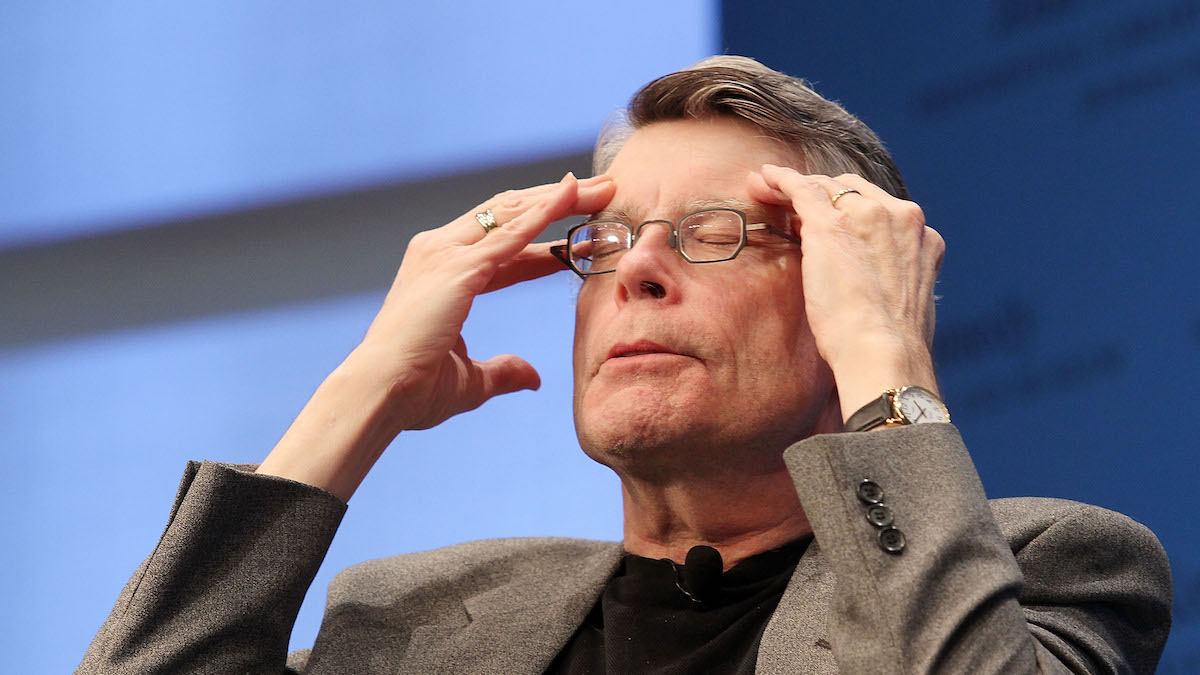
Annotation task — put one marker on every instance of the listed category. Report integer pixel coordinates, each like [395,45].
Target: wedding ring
[487,220]
[842,193]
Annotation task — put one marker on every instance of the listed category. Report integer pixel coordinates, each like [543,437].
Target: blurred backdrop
[202,205]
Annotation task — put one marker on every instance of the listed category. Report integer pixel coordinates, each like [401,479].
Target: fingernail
[567,177]
[770,166]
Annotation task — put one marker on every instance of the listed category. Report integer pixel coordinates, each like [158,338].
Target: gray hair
[826,138]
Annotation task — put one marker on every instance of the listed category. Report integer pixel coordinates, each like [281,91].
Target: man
[765,413]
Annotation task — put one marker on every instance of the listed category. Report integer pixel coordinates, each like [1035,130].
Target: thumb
[506,373]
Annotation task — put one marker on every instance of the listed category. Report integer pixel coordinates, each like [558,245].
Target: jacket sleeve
[222,588]
[1035,585]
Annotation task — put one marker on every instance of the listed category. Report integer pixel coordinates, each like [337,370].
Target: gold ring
[843,193]
[487,220]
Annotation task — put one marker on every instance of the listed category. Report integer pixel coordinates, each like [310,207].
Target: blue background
[1055,147]
[132,112]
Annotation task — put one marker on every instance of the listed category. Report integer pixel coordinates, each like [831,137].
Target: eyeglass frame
[560,251]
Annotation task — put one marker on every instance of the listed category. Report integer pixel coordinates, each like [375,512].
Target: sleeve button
[891,540]
[879,515]
[869,492]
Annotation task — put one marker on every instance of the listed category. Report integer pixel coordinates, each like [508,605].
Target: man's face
[722,368]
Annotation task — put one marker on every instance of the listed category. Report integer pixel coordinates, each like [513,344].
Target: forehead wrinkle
[687,206]
[755,211]
[681,207]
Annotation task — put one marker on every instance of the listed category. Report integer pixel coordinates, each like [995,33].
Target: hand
[416,339]
[869,268]
[411,370]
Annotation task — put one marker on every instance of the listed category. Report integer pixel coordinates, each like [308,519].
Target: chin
[654,438]
[637,435]
[638,422]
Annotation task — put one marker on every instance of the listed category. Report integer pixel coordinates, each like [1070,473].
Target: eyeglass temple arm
[773,230]
[560,251]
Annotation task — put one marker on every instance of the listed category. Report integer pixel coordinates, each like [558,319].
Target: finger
[833,188]
[505,374]
[866,217]
[591,194]
[868,189]
[907,214]
[508,240]
[807,198]
[468,228]
[533,262]
[532,213]
[761,192]
[594,180]
[939,247]
[508,206]
[594,196]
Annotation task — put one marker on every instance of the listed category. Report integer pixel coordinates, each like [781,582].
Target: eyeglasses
[705,236]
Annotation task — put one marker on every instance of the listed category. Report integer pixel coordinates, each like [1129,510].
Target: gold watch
[905,405]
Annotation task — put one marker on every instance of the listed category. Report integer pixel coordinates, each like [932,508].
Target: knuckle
[504,200]
[809,185]
[510,202]
[478,273]
[419,241]
[936,240]
[912,213]
[877,211]
[843,221]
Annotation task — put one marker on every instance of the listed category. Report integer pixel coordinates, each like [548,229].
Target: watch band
[872,414]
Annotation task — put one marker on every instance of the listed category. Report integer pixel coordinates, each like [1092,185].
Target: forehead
[672,167]
[755,212]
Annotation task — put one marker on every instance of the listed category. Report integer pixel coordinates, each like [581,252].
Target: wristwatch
[906,405]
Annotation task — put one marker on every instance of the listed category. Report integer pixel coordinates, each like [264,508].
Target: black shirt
[656,616]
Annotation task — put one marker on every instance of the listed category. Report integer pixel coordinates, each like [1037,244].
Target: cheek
[580,346]
[776,337]
[586,321]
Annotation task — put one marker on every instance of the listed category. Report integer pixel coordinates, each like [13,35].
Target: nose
[646,270]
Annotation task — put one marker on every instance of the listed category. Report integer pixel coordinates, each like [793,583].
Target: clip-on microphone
[701,574]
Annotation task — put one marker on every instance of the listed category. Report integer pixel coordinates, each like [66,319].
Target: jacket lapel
[518,627]
[796,639]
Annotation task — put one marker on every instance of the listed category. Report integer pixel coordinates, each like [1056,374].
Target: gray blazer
[1014,585]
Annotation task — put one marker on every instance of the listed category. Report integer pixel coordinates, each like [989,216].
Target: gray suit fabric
[1007,586]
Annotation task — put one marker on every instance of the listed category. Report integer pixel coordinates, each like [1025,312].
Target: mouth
[639,348]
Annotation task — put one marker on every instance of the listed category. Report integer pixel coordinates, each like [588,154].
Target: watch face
[920,406]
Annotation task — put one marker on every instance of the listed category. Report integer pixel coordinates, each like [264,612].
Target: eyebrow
[753,210]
